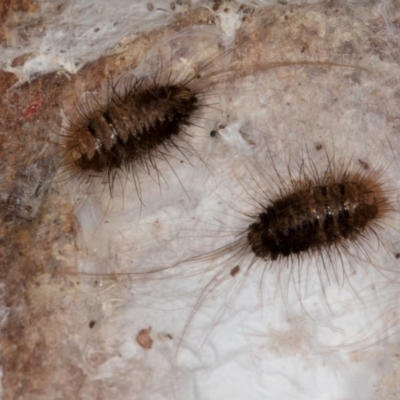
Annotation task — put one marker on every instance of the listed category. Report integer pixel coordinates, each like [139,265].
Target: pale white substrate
[279,339]
[242,341]
[64,35]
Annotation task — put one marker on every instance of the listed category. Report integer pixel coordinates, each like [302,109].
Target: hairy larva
[143,118]
[303,229]
[305,223]
[315,216]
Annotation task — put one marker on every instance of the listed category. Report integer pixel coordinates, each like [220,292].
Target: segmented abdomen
[313,218]
[131,126]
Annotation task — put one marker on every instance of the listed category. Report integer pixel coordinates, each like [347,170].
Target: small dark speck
[216,5]
[96,29]
[226,10]
[172,5]
[235,270]
[92,323]
[318,146]
[150,6]
[214,134]
[363,164]
[397,255]
[106,222]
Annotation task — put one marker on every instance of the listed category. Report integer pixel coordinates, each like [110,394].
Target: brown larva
[309,222]
[317,215]
[327,216]
[145,116]
[330,217]
[130,128]
[309,227]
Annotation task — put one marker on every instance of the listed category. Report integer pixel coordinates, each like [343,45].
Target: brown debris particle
[216,5]
[235,270]
[164,336]
[363,164]
[144,339]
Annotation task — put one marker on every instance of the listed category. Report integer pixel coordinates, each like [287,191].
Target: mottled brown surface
[11,12]
[37,234]
[36,242]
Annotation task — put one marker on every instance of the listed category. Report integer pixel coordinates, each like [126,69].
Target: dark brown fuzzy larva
[144,117]
[329,216]
[326,216]
[316,216]
[131,127]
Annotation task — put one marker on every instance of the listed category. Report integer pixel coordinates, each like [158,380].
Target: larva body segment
[132,126]
[316,216]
